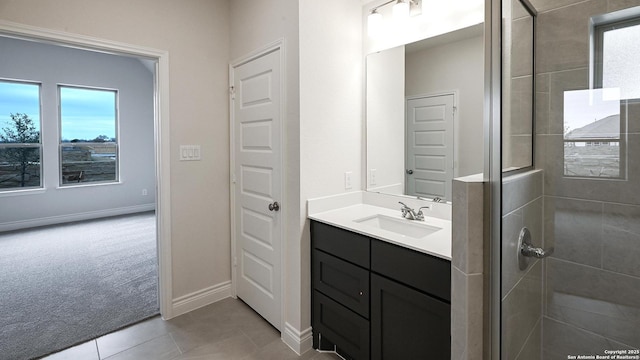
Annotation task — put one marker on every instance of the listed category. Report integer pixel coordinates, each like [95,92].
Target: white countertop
[436,244]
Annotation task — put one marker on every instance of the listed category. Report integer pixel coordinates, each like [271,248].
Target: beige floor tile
[160,348]
[237,347]
[85,351]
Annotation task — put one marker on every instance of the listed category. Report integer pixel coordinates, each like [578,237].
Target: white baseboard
[59,219]
[200,298]
[298,341]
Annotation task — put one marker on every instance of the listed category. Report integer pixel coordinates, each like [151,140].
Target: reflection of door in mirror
[451,63]
[429,140]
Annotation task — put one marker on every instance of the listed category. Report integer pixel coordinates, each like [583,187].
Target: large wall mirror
[424,110]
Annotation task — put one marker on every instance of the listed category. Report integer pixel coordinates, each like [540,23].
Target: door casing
[161,133]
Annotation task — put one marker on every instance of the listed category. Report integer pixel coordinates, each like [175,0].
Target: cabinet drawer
[341,243]
[340,326]
[407,324]
[344,282]
[424,272]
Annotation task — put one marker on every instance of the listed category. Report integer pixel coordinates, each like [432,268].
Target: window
[617,50]
[88,140]
[595,131]
[20,141]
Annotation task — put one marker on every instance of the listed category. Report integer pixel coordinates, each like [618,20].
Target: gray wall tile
[574,228]
[521,311]
[520,189]
[563,36]
[466,315]
[560,340]
[621,4]
[585,281]
[621,249]
[532,348]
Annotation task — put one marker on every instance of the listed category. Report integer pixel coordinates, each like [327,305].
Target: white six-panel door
[429,160]
[257,189]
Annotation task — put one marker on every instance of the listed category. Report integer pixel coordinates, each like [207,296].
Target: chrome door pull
[527,250]
[530,251]
[274,207]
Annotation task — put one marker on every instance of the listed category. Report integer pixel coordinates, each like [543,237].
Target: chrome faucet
[409,213]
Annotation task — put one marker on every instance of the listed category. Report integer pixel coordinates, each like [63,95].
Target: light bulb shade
[374,24]
[401,10]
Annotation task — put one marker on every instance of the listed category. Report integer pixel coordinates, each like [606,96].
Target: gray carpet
[65,284]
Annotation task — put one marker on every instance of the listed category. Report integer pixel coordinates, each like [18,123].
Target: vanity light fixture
[374,23]
[402,10]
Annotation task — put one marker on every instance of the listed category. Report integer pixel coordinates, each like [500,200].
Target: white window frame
[16,190]
[62,144]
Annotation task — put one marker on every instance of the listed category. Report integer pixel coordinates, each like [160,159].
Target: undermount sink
[404,227]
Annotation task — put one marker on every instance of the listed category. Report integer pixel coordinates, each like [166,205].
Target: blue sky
[19,98]
[86,113]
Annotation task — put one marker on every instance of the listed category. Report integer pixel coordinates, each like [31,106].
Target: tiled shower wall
[521,289]
[592,282]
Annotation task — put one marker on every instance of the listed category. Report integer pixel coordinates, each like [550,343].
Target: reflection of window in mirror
[592,136]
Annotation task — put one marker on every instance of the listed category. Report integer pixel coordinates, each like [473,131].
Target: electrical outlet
[347,180]
[372,177]
[144,192]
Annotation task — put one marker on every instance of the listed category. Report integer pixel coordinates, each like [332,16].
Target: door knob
[409,171]
[274,207]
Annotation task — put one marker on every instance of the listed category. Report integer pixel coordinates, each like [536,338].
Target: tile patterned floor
[227,329]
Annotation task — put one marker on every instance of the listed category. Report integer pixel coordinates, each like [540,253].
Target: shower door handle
[527,250]
[536,252]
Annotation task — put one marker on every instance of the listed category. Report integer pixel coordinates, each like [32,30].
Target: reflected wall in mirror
[424,109]
[517,85]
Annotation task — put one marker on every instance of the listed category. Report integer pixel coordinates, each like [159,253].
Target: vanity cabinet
[376,300]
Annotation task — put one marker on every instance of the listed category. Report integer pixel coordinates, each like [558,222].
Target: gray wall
[592,283]
[52,65]
[522,205]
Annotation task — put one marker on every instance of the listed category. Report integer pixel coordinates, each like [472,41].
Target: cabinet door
[343,328]
[406,323]
[344,282]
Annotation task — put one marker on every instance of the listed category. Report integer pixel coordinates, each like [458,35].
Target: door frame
[456,125]
[162,149]
[269,48]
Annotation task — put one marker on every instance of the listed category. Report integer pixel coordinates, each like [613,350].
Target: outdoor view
[88,143]
[592,133]
[20,147]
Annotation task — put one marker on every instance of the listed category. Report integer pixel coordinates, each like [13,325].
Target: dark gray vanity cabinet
[410,304]
[375,300]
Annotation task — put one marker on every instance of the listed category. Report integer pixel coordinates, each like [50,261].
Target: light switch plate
[190,153]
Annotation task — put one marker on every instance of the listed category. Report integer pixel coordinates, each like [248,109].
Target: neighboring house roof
[607,128]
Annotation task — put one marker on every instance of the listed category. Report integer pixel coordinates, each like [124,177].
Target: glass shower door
[581,197]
